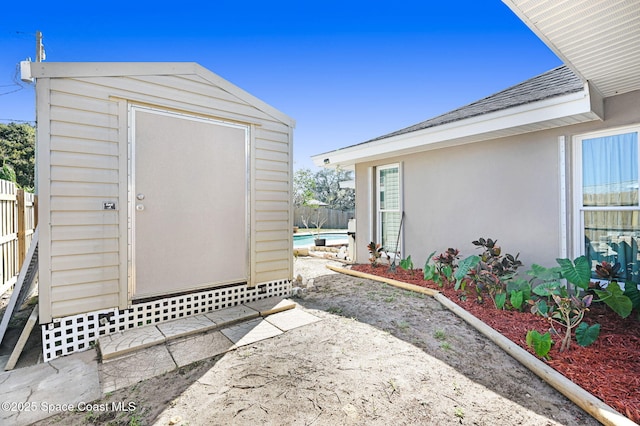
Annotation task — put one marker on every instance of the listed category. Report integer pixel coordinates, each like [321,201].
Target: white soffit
[598,39]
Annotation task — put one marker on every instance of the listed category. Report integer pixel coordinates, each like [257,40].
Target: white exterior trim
[548,113]
[578,217]
[371,210]
[562,179]
[378,221]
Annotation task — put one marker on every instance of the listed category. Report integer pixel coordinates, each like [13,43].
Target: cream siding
[82,163]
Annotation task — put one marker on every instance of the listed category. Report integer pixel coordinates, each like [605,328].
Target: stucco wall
[507,189]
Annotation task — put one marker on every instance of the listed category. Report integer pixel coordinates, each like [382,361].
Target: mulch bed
[608,369]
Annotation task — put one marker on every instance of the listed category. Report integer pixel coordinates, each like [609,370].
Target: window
[608,219]
[389,212]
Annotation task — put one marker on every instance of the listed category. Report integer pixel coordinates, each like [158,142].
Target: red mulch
[608,369]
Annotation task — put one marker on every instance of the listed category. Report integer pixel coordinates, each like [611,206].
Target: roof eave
[549,113]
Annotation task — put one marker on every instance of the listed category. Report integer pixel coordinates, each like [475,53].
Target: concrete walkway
[71,382]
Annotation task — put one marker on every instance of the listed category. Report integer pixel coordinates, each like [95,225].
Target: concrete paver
[294,318]
[190,349]
[131,368]
[140,354]
[118,344]
[232,315]
[185,326]
[39,391]
[271,305]
[251,331]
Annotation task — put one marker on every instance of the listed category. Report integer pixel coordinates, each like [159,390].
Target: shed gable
[83,163]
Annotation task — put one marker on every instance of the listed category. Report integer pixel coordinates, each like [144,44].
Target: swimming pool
[306,240]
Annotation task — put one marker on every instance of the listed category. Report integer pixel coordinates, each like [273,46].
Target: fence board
[336,219]
[18,219]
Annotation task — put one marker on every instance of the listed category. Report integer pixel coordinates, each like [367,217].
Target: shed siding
[86,135]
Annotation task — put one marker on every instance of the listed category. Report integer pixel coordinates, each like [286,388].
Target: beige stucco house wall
[517,189]
[502,167]
[94,119]
[509,166]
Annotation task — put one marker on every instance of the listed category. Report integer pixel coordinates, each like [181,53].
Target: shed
[164,193]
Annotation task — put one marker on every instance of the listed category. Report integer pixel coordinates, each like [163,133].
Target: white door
[189,203]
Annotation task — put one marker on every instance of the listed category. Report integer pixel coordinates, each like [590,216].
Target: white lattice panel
[79,332]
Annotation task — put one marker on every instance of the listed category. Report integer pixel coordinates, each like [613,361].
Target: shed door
[188,203]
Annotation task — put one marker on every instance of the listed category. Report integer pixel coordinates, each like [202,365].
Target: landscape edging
[585,400]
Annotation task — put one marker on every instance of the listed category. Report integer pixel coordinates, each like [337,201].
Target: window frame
[379,212]
[579,208]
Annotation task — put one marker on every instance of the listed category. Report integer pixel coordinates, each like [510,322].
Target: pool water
[306,240]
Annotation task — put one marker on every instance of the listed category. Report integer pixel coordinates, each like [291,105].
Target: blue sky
[346,71]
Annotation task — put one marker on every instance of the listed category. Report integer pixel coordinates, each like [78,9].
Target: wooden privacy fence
[18,220]
[336,219]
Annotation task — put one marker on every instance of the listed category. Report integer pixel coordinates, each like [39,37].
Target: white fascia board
[117,69]
[109,69]
[483,127]
[245,96]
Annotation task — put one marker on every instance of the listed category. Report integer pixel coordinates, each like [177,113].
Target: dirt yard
[380,356]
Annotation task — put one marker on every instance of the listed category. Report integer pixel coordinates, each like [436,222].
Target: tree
[328,189]
[303,187]
[323,186]
[17,152]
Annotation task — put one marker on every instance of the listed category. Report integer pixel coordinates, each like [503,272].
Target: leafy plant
[407,264]
[446,263]
[560,307]
[545,282]
[577,272]
[586,335]
[499,299]
[541,343]
[568,312]
[519,291]
[465,267]
[375,251]
[430,270]
[619,300]
[608,271]
[502,266]
[615,298]
[494,270]
[7,173]
[443,266]
[632,292]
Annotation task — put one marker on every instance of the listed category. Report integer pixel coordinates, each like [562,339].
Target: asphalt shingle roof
[557,82]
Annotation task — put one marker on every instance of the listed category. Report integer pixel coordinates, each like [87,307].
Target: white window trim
[562,167]
[378,221]
[578,209]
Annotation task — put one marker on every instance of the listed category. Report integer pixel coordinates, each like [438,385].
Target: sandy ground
[379,356]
